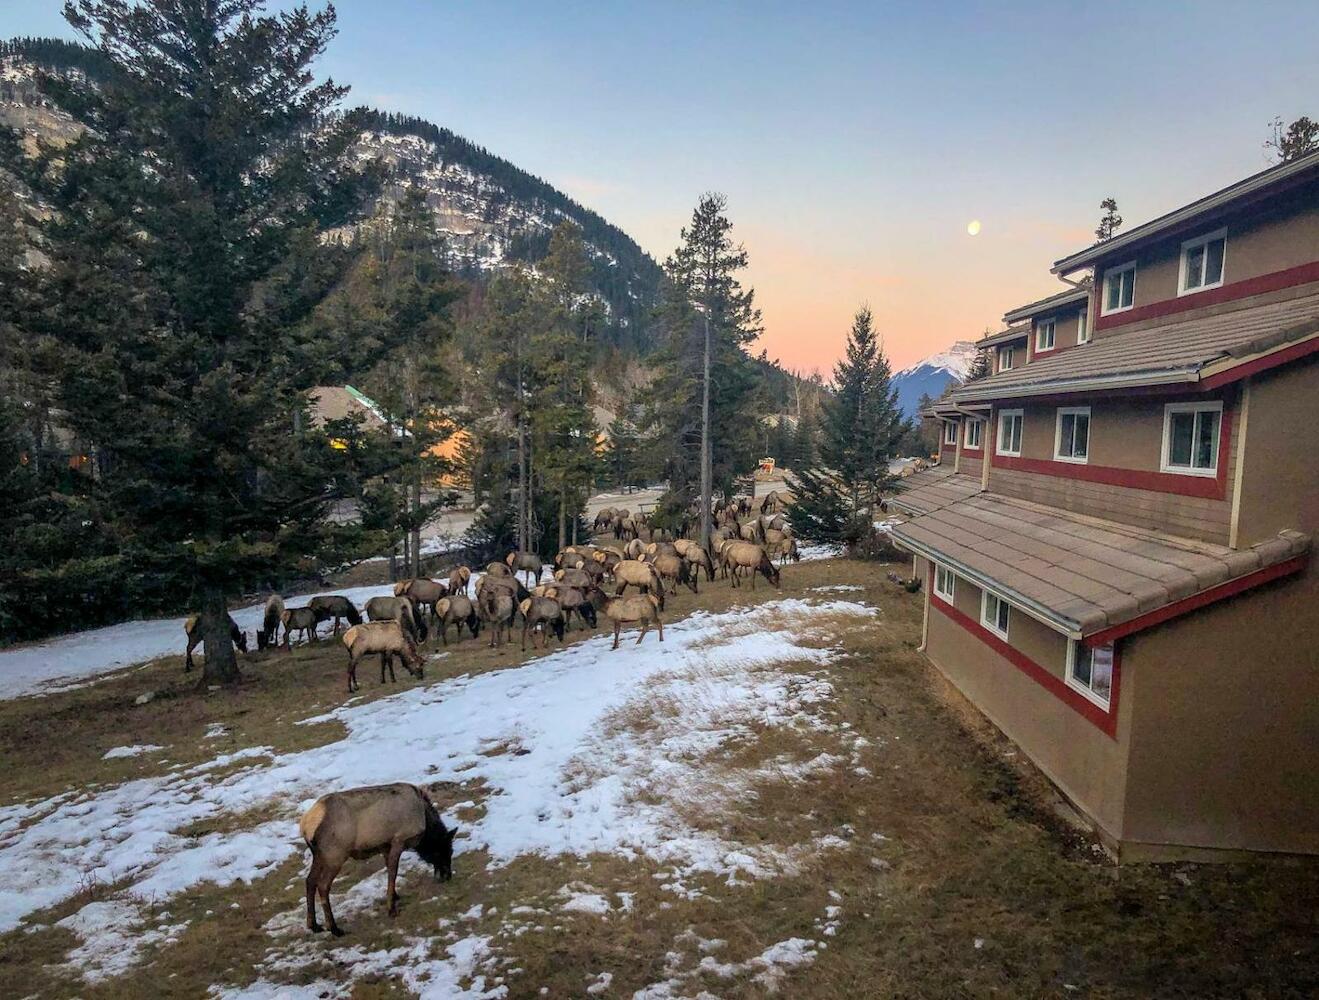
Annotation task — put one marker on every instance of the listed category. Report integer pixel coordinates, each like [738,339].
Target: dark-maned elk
[335,606]
[457,609]
[193,631]
[573,599]
[401,610]
[362,822]
[270,621]
[459,579]
[422,592]
[389,639]
[497,610]
[738,556]
[542,612]
[527,562]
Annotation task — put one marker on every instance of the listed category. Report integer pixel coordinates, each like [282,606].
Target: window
[1045,335]
[1006,355]
[1083,327]
[1119,288]
[944,583]
[1190,438]
[1072,439]
[974,433]
[1090,671]
[994,614]
[950,432]
[1009,432]
[1202,262]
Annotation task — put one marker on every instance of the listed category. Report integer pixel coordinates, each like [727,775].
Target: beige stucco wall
[1225,724]
[1066,325]
[1280,474]
[1085,763]
[1283,235]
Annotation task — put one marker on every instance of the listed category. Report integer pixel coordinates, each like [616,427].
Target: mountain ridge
[931,376]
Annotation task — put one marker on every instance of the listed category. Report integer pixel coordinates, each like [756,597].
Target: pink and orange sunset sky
[854,141]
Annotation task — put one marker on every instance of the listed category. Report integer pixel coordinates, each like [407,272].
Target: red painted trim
[1197,601]
[1055,685]
[1272,282]
[1154,482]
[1289,354]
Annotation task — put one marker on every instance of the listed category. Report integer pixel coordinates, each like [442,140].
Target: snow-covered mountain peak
[955,360]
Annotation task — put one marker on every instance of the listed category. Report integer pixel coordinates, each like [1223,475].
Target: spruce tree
[835,498]
[184,262]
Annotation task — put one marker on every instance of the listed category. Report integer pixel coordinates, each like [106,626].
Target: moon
[973,227]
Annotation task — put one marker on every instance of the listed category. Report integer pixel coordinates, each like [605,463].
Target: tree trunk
[706,465]
[523,490]
[221,666]
[563,516]
[415,501]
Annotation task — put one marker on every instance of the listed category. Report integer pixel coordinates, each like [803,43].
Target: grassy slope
[971,852]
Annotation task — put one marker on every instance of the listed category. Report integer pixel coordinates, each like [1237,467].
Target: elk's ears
[450,834]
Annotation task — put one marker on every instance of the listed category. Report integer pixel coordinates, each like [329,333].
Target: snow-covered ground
[562,770]
[72,659]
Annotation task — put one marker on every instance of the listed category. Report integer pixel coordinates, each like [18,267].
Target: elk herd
[625,580]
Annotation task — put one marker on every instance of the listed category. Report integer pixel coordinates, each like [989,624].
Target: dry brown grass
[947,838]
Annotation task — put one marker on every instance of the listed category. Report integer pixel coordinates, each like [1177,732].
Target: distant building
[1117,539]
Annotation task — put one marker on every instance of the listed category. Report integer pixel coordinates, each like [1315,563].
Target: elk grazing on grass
[423,593]
[497,569]
[192,628]
[579,578]
[270,621]
[527,562]
[302,620]
[738,556]
[543,613]
[334,606]
[389,639]
[603,520]
[458,610]
[576,600]
[633,572]
[674,570]
[497,610]
[639,609]
[698,559]
[362,822]
[401,610]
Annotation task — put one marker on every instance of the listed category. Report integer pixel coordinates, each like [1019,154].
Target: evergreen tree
[980,367]
[183,263]
[706,380]
[862,426]
[1110,222]
[1291,142]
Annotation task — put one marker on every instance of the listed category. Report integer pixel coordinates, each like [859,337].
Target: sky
[855,142]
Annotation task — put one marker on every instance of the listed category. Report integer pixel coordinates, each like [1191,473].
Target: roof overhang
[1006,337]
[1053,303]
[1228,197]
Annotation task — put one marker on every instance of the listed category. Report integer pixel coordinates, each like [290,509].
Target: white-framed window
[995,614]
[1083,327]
[1046,335]
[1119,288]
[1071,439]
[950,432]
[975,433]
[1006,356]
[1090,671]
[1010,423]
[1202,262]
[945,583]
[1190,438]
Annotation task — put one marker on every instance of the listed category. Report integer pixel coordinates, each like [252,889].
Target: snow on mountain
[932,375]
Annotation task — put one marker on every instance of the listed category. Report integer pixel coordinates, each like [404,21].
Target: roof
[1171,353]
[1080,575]
[1248,189]
[932,489]
[1007,336]
[334,402]
[1064,298]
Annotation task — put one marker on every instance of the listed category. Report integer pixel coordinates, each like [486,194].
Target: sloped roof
[334,402]
[1020,332]
[1068,296]
[1167,353]
[1079,574]
[931,489]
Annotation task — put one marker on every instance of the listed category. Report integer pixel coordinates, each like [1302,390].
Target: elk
[525,561]
[459,579]
[542,612]
[737,556]
[236,635]
[497,610]
[361,822]
[401,610]
[640,575]
[422,592]
[274,613]
[672,567]
[302,620]
[640,609]
[459,610]
[388,638]
[573,599]
[334,606]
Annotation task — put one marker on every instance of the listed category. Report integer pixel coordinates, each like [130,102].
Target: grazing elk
[497,612]
[633,572]
[543,613]
[422,592]
[334,606]
[274,614]
[302,620]
[457,609]
[573,599]
[674,570]
[642,609]
[389,639]
[362,822]
[527,562]
[401,610]
[192,629]
[459,579]
[738,556]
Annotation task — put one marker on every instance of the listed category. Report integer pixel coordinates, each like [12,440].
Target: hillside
[490,211]
[932,375]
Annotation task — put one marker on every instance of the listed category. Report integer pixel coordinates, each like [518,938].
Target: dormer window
[1119,288]
[1006,355]
[1045,336]
[1202,262]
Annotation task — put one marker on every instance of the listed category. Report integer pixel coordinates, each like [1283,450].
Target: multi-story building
[1117,538]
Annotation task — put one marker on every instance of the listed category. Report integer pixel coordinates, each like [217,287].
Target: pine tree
[1110,222]
[184,262]
[980,367]
[1291,142]
[706,386]
[835,498]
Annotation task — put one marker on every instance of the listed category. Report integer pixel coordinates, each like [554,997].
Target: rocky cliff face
[933,375]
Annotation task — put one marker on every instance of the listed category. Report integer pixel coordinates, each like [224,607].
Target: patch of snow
[836,588]
[587,902]
[113,938]
[116,752]
[956,360]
